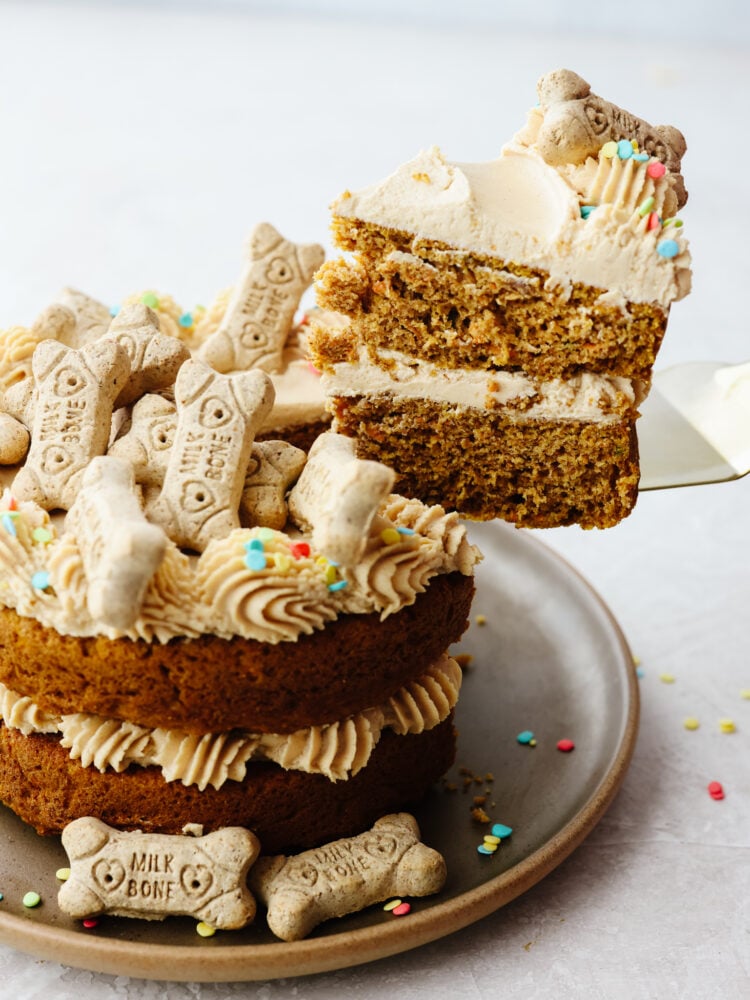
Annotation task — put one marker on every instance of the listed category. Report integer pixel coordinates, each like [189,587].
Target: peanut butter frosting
[338,750]
[297,591]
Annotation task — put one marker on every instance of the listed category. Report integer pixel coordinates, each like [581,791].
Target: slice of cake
[200,625]
[503,317]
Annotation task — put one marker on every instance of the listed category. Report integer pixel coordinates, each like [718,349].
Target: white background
[139,143]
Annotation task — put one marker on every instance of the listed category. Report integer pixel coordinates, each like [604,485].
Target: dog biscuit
[152,875]
[217,419]
[337,497]
[14,440]
[155,358]
[92,318]
[260,312]
[73,395]
[347,875]
[273,467]
[147,443]
[118,564]
[56,322]
[577,123]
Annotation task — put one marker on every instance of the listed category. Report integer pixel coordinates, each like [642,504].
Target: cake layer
[590,470]
[459,309]
[287,810]
[208,684]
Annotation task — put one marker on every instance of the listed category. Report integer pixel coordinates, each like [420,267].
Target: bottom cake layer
[486,464]
[288,810]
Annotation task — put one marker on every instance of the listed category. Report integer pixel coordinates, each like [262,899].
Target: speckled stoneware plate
[550,659]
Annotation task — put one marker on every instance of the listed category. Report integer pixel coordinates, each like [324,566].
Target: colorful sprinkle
[668,249]
[205,930]
[62,874]
[90,922]
[641,157]
[645,206]
[40,580]
[392,904]
[526,737]
[338,585]
[501,830]
[624,149]
[401,910]
[565,746]
[639,672]
[481,619]
[609,149]
[330,574]
[653,221]
[282,562]
[254,545]
[691,723]
[389,536]
[41,535]
[673,221]
[491,838]
[255,560]
[114,310]
[300,550]
[405,531]
[666,678]
[31,899]
[150,299]
[715,790]
[656,169]
[727,726]
[745,693]
[1,897]
[488,851]
[586,210]
[186,320]
[266,534]
[9,525]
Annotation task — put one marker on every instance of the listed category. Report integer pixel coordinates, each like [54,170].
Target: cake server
[695,425]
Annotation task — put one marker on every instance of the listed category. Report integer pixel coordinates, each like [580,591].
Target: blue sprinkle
[639,671]
[525,737]
[641,157]
[40,580]
[338,585]
[484,850]
[586,210]
[667,248]
[332,563]
[501,830]
[406,531]
[9,525]
[254,545]
[624,149]
[255,559]
[186,320]
[113,310]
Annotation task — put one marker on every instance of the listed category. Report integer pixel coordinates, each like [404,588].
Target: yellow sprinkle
[691,722]
[634,144]
[321,561]
[392,904]
[204,929]
[727,726]
[636,661]
[390,536]
[490,847]
[490,838]
[745,693]
[666,678]
[62,874]
[282,561]
[481,620]
[532,743]
[330,574]
[609,149]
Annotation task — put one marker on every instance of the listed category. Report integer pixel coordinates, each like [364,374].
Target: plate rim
[253,962]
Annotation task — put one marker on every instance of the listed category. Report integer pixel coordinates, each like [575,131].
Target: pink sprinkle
[90,922]
[566,745]
[656,169]
[401,910]
[300,550]
[312,368]
[715,790]
[653,221]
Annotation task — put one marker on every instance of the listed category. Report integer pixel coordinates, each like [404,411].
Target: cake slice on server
[501,319]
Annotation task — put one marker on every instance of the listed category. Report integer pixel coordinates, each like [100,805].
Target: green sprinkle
[645,207]
[31,899]
[266,534]
[150,299]
[41,535]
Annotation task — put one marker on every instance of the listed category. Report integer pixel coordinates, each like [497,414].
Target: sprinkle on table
[31,899]
[715,790]
[691,723]
[727,726]
[666,678]
[481,619]
[745,693]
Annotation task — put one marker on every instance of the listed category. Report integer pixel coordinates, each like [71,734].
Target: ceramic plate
[550,659]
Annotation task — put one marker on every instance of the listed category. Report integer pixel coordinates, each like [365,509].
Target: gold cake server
[695,425]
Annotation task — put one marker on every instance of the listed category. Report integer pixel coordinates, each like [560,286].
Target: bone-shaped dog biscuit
[92,318]
[14,440]
[56,322]
[152,876]
[149,439]
[273,467]
[259,315]
[155,358]
[217,419]
[577,123]
[72,402]
[118,563]
[346,875]
[337,496]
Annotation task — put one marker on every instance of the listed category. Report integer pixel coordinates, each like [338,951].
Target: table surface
[140,146]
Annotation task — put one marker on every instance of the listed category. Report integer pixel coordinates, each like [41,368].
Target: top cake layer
[585,192]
